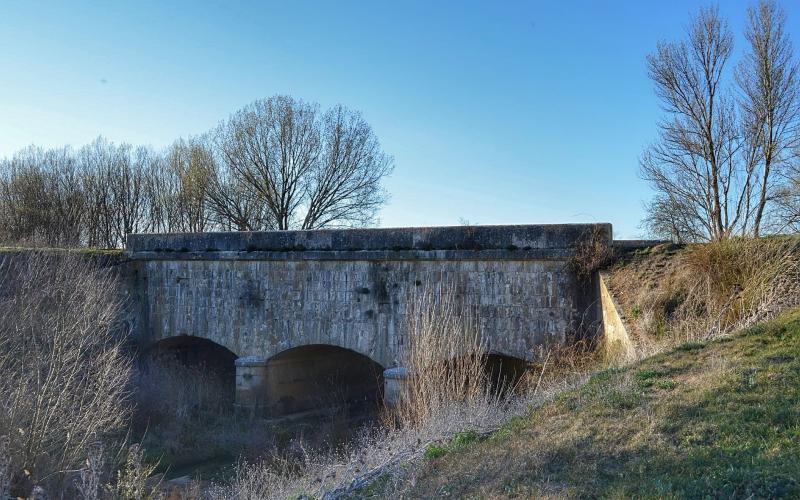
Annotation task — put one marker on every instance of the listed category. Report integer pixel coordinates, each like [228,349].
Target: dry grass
[444,355]
[674,295]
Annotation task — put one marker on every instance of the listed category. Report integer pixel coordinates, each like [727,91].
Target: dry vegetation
[672,294]
[444,353]
[65,393]
[715,419]
[592,253]
[65,377]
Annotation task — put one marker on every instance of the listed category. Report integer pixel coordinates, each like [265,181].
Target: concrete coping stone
[360,255]
[471,238]
[636,244]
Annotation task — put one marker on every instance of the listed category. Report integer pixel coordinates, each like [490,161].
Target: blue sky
[495,112]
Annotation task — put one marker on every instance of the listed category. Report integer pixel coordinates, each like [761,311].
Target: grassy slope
[719,419]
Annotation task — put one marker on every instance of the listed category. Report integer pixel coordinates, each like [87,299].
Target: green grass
[707,420]
[458,441]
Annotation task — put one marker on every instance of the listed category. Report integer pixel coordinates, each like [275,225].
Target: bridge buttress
[394,384]
[251,383]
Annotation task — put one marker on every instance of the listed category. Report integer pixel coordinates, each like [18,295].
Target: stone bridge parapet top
[539,241]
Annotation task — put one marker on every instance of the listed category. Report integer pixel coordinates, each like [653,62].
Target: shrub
[591,254]
[65,379]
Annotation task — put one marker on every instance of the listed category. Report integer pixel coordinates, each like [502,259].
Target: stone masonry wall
[261,308]
[259,294]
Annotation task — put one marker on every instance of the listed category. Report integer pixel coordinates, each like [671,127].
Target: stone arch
[377,349]
[314,377]
[189,367]
[505,371]
[191,348]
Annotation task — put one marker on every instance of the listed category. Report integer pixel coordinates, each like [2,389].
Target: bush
[744,280]
[591,254]
[65,378]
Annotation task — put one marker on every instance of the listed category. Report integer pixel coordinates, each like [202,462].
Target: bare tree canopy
[692,164]
[767,78]
[312,170]
[41,195]
[717,164]
[234,204]
[278,163]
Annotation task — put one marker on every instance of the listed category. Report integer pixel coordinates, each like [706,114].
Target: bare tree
[191,166]
[345,185]
[162,187]
[668,218]
[311,171]
[41,198]
[93,158]
[694,160]
[234,203]
[719,162]
[127,189]
[115,185]
[767,78]
[787,199]
[272,145]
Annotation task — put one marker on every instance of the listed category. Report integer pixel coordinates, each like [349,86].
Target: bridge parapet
[509,242]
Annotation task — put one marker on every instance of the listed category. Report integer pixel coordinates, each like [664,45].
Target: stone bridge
[291,311]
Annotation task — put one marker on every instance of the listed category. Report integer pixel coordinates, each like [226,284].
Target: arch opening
[505,373]
[185,376]
[325,378]
[498,374]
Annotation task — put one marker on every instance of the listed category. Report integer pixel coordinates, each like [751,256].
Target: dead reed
[445,356]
